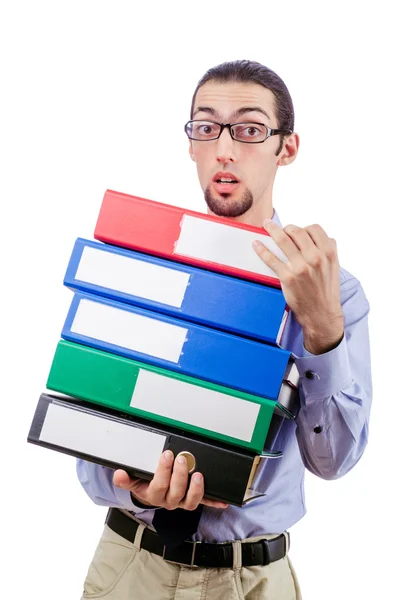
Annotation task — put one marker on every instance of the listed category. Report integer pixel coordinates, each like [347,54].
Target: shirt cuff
[124,497]
[323,375]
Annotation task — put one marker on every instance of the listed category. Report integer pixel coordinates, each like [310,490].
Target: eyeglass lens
[243,132]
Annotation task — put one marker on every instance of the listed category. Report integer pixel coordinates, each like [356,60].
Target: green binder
[162,396]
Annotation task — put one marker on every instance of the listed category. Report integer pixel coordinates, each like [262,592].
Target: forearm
[336,394]
[332,432]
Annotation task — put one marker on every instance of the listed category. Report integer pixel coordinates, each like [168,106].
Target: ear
[289,151]
[191,151]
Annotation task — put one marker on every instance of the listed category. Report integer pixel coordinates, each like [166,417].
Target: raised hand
[309,280]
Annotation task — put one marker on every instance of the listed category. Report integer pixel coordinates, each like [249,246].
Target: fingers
[214,503]
[169,484]
[300,237]
[283,240]
[138,487]
[178,483]
[310,238]
[285,244]
[272,261]
[318,235]
[169,487]
[153,492]
[195,492]
[325,244]
[159,485]
[309,252]
[121,479]
[315,245]
[309,245]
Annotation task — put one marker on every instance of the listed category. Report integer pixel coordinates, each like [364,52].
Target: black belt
[199,554]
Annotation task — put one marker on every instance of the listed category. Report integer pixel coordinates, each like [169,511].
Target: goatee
[224,207]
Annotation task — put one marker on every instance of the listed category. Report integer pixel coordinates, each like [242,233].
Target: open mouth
[225,187]
[225,182]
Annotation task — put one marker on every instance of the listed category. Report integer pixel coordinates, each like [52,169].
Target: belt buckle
[171,555]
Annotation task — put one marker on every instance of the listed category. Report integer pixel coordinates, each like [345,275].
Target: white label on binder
[132,276]
[223,244]
[102,437]
[195,405]
[129,330]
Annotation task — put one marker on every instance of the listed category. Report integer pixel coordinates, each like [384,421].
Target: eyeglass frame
[269,130]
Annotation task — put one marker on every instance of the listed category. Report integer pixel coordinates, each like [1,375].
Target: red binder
[186,236]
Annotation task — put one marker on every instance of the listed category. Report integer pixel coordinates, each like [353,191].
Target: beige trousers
[123,571]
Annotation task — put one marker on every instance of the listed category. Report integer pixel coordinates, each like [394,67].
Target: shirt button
[318,429]
[310,375]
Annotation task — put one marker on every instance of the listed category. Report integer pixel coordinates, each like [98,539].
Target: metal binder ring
[190,459]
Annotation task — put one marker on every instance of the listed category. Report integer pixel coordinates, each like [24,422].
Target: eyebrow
[237,113]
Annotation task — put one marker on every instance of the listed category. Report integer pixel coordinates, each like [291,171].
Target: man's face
[254,166]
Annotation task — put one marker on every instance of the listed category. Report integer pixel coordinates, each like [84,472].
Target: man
[241,132]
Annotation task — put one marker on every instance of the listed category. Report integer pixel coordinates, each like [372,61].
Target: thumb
[121,479]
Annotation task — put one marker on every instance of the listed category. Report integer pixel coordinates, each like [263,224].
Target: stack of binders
[172,341]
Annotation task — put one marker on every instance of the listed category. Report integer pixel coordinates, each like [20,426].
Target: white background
[94,95]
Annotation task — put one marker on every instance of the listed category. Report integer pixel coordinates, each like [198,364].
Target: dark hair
[248,71]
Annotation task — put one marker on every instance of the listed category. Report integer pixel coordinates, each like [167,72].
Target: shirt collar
[276,219]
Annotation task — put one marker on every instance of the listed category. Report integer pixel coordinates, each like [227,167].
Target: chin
[225,205]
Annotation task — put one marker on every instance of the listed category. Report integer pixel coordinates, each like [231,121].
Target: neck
[256,215]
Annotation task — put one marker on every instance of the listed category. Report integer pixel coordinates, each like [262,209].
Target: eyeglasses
[248,133]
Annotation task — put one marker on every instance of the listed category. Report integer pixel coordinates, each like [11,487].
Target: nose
[225,150]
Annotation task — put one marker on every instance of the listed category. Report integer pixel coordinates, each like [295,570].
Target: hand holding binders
[123,441]
[171,341]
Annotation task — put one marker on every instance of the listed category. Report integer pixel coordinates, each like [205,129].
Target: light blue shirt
[328,437]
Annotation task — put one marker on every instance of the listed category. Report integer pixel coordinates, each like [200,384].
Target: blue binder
[190,293]
[180,346]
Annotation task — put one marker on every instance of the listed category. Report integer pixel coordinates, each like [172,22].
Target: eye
[205,129]
[249,131]
[252,131]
